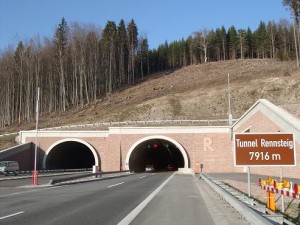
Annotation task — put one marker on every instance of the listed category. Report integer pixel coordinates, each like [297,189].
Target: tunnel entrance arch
[159,150]
[62,150]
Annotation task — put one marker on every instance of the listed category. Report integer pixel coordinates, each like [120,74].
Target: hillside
[194,92]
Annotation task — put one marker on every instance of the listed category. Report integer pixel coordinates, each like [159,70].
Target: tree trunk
[296,44]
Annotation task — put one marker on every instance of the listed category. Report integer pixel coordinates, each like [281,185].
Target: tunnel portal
[70,155]
[161,154]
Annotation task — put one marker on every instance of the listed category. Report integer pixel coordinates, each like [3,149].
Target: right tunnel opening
[161,154]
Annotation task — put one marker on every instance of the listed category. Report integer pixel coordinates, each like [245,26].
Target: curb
[77,180]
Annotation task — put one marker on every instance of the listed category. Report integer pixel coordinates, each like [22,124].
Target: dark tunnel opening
[161,154]
[70,155]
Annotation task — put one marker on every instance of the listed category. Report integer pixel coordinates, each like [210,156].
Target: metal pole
[282,198]
[249,183]
[36,127]
[229,102]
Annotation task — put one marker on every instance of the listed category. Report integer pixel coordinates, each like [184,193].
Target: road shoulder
[221,211]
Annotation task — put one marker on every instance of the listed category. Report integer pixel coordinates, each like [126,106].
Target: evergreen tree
[283,39]
[261,40]
[122,42]
[249,44]
[163,56]
[223,38]
[61,41]
[132,43]
[109,48]
[233,42]
[218,43]
[242,45]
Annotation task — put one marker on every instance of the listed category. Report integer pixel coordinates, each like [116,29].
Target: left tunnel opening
[70,155]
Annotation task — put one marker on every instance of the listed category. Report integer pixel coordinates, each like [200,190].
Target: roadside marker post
[35,175]
[271,201]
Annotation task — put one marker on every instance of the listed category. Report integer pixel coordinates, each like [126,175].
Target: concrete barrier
[185,171]
[100,174]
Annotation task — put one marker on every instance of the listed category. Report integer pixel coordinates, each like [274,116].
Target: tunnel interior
[161,154]
[70,155]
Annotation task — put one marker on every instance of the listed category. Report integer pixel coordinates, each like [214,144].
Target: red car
[171,167]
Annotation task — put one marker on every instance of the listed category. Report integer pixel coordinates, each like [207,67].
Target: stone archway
[160,137]
[79,141]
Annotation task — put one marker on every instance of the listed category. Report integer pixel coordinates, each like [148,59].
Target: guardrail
[249,214]
[46,173]
[57,171]
[99,174]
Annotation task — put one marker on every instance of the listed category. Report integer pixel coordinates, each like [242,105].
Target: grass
[7,141]
[176,107]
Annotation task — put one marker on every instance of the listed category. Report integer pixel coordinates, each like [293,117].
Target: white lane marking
[35,190]
[11,215]
[142,177]
[130,217]
[115,185]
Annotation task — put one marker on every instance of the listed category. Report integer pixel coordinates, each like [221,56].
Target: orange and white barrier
[284,187]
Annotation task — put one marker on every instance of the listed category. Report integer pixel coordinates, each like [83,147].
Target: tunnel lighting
[153,145]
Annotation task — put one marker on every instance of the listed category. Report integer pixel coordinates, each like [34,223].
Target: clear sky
[159,20]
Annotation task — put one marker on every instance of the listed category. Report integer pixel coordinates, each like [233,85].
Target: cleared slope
[194,92]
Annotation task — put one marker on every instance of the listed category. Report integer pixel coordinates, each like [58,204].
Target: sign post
[264,149]
[249,181]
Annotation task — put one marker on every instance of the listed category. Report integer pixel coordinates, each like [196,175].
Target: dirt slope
[194,92]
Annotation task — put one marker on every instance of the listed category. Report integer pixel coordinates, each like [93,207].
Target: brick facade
[209,149]
[201,145]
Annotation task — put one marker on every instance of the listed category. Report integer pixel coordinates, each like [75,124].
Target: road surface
[183,199]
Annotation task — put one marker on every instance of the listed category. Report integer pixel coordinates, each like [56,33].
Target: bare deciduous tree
[204,40]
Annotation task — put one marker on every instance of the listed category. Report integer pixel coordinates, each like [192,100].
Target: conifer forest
[81,63]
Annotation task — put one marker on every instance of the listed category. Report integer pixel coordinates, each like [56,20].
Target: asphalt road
[178,203]
[183,200]
[24,181]
[100,202]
